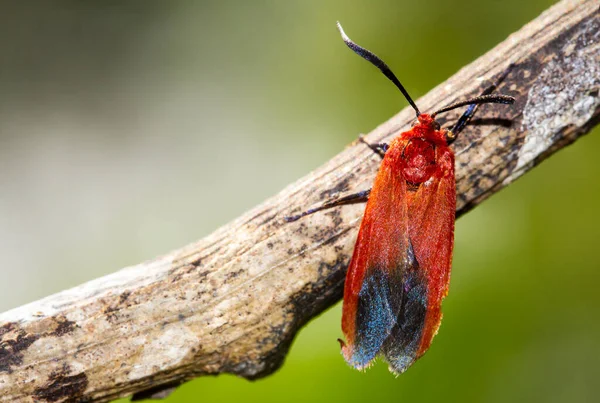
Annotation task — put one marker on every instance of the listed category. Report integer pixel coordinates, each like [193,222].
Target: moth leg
[360,197]
[466,117]
[379,148]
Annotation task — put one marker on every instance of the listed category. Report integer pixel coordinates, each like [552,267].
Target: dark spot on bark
[270,245]
[301,229]
[336,217]
[64,326]
[110,312]
[342,186]
[302,250]
[322,234]
[63,387]
[329,235]
[202,275]
[123,297]
[476,175]
[181,317]
[176,273]
[11,349]
[233,274]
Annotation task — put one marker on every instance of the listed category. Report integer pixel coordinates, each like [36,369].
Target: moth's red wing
[372,291]
[432,213]
[431,216]
[399,272]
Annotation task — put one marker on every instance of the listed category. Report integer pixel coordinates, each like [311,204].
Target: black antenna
[483,99]
[377,62]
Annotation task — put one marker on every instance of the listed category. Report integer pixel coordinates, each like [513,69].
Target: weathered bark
[232,302]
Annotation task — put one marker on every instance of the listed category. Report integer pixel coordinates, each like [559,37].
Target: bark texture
[232,302]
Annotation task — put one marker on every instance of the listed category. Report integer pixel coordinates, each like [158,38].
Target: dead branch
[232,302]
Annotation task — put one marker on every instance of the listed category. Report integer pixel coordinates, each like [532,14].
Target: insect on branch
[233,301]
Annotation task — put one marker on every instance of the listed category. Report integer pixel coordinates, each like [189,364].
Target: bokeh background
[128,129]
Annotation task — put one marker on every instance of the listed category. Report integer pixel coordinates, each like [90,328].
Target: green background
[130,129]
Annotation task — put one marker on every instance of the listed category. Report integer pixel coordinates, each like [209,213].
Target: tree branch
[232,302]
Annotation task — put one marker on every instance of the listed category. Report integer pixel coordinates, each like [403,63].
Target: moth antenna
[377,62]
[483,99]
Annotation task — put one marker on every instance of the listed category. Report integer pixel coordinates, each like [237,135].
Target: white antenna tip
[339,27]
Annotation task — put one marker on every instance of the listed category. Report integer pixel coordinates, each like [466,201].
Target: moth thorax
[419,160]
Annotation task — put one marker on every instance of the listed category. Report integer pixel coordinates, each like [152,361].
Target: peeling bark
[233,302]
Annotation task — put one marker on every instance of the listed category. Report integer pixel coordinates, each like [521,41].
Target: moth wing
[373,289]
[431,216]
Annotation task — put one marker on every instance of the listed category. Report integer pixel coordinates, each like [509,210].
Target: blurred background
[128,129]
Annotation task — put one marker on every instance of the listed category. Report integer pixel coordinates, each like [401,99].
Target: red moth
[400,269]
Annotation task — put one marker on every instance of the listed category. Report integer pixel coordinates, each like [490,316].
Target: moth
[400,268]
